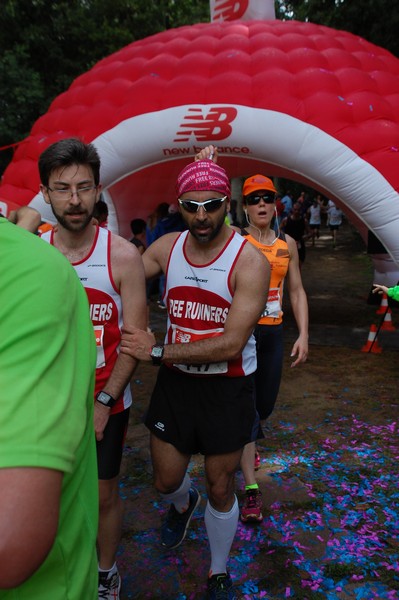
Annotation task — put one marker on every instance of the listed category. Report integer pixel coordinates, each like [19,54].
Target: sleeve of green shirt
[393,292]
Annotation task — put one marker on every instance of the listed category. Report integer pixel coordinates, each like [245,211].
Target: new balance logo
[216,125]
[229,10]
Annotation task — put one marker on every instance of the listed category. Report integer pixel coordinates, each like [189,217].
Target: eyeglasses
[254,200]
[83,193]
[209,206]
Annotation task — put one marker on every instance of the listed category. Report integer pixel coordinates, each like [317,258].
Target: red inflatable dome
[289,99]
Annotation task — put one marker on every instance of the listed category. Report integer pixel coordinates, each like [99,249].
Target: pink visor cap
[203,175]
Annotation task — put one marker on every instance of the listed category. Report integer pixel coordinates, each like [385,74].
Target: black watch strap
[105,399]
[157,354]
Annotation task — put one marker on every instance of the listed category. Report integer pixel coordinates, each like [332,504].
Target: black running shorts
[210,415]
[109,449]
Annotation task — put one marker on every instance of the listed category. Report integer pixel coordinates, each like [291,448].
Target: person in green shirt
[48,468]
[391,292]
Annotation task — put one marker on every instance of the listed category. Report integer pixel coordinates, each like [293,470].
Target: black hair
[67,152]
[137,226]
[100,210]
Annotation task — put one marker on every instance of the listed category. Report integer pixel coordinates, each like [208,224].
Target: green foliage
[374,20]
[46,44]
[21,96]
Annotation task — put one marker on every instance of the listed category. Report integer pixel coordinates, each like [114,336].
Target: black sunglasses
[254,200]
[210,206]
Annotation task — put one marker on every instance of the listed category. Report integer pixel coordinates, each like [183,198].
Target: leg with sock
[221,519]
[174,485]
[221,528]
[251,510]
[183,503]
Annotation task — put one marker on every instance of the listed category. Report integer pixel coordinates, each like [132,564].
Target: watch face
[103,397]
[157,351]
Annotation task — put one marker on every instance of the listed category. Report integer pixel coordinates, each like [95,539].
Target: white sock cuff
[223,515]
[110,571]
[182,490]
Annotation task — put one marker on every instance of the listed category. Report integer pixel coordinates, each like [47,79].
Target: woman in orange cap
[281,251]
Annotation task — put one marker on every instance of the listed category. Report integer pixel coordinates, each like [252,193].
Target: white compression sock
[179,497]
[221,529]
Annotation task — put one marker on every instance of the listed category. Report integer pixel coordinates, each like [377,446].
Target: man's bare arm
[155,258]
[26,217]
[128,272]
[30,503]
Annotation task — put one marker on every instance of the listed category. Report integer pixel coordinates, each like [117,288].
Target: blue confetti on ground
[341,542]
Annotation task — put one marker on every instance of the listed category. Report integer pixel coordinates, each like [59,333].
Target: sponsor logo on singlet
[196,279]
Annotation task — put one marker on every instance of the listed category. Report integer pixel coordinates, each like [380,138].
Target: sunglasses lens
[254,200]
[189,206]
[213,205]
[209,205]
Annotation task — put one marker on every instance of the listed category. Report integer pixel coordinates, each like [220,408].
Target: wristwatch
[157,354]
[105,399]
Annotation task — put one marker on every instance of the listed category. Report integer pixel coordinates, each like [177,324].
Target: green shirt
[393,292]
[47,366]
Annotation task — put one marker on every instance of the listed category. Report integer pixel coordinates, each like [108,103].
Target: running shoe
[220,587]
[257,460]
[252,508]
[109,587]
[174,529]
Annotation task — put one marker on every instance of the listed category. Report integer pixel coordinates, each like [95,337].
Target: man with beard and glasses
[203,400]
[111,270]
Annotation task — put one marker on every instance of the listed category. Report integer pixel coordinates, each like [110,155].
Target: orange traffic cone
[383,305]
[372,344]
[387,324]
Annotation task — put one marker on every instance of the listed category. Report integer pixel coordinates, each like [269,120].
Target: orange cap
[257,183]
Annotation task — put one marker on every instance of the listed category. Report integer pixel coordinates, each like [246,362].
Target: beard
[205,238]
[77,227]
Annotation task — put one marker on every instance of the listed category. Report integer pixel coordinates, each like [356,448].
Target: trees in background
[374,20]
[46,44]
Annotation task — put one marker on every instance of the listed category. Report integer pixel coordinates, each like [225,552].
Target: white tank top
[198,298]
[94,272]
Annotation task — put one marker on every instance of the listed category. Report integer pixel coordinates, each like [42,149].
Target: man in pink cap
[203,400]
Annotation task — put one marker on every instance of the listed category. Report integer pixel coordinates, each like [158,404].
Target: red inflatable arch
[288,99]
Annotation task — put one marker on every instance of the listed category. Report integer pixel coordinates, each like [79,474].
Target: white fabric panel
[245,10]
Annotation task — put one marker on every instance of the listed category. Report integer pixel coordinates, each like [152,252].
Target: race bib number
[99,334]
[273,304]
[180,335]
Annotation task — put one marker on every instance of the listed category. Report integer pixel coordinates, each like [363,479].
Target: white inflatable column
[230,10]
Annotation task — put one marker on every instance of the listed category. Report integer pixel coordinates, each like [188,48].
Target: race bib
[273,304]
[99,334]
[181,335]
